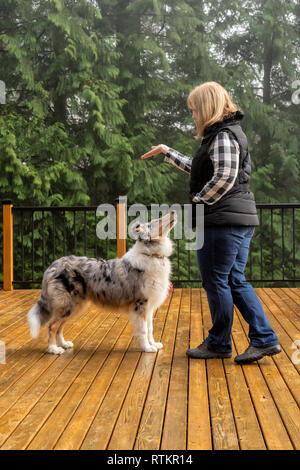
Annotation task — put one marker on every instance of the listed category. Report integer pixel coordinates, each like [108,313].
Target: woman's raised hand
[161,148]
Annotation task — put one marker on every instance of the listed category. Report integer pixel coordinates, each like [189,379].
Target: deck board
[199,435]
[222,419]
[175,423]
[106,394]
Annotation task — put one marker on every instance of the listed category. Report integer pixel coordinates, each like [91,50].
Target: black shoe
[202,352]
[254,354]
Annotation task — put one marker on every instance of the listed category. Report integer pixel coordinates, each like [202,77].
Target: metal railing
[34,236]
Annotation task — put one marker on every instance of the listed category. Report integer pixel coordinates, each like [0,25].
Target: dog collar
[155,256]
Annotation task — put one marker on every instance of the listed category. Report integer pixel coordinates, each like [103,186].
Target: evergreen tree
[186,43]
[60,125]
[142,64]
[258,45]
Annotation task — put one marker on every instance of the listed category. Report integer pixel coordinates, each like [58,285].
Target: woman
[219,177]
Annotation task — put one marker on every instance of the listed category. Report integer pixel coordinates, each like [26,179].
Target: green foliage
[64,109]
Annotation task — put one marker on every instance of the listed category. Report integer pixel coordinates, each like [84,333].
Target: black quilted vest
[237,206]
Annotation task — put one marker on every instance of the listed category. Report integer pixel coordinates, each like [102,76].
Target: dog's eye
[137,226]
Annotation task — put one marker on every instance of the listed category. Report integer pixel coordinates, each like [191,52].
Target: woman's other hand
[161,148]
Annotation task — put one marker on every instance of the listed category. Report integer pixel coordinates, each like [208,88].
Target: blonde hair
[212,103]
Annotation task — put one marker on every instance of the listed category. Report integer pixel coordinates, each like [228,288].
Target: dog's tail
[36,317]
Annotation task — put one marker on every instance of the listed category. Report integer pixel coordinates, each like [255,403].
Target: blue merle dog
[137,283]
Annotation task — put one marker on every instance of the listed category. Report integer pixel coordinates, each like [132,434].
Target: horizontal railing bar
[54,208]
[28,282]
[84,208]
[175,281]
[247,279]
[288,205]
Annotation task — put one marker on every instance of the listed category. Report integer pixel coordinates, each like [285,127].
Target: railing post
[121,226]
[8,266]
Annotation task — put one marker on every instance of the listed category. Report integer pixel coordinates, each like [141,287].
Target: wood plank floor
[106,394]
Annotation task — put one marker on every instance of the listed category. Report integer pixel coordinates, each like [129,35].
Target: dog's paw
[150,348]
[67,344]
[53,349]
[158,345]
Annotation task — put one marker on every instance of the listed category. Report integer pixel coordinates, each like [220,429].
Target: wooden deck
[105,394]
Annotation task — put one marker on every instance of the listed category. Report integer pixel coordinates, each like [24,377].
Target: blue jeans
[222,261]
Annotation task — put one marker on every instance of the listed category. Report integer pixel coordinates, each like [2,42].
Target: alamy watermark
[2,353]
[2,92]
[296,94]
[107,226]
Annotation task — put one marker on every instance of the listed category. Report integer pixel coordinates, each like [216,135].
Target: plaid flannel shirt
[224,154]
